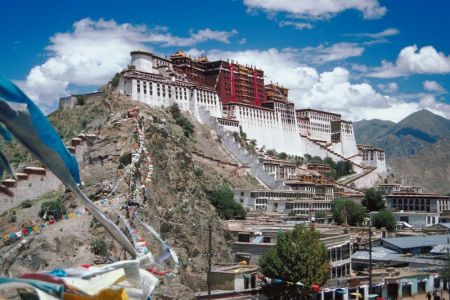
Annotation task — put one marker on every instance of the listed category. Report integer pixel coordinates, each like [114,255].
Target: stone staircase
[350,179]
[335,154]
[240,154]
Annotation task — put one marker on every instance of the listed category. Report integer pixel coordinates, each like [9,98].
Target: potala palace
[237,96]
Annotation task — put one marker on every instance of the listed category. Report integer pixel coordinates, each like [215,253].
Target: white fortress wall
[266,128]
[206,99]
[348,140]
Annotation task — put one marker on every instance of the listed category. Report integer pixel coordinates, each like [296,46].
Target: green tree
[296,159]
[384,218]
[315,160]
[373,200]
[320,215]
[115,80]
[282,155]
[271,152]
[298,256]
[329,161]
[223,200]
[345,211]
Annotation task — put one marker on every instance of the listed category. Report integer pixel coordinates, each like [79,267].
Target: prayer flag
[30,127]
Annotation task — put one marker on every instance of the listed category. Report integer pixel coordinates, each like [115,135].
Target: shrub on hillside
[26,204]
[99,247]
[115,80]
[182,121]
[52,209]
[223,201]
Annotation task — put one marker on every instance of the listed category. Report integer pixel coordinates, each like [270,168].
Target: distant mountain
[418,147]
[367,131]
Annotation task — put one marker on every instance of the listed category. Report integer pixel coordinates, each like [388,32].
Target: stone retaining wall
[35,182]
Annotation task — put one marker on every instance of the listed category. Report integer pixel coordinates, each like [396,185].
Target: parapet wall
[34,182]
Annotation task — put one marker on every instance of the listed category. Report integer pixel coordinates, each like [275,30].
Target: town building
[417,220]
[280,169]
[236,278]
[418,202]
[390,188]
[306,201]
[252,238]
[415,245]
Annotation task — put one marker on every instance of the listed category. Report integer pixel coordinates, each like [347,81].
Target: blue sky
[364,59]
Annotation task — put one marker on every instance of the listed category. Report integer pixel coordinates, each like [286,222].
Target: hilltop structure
[237,96]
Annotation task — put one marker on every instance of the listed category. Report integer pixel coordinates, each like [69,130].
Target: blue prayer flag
[31,128]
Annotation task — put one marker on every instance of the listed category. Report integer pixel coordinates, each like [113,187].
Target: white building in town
[307,201]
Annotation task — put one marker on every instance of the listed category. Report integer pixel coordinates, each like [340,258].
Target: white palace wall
[265,126]
[165,93]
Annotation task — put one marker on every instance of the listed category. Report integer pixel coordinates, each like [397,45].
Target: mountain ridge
[417,146]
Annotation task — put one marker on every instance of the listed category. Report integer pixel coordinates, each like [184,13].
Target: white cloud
[242,41]
[167,39]
[390,87]
[412,60]
[429,102]
[339,51]
[378,35]
[433,86]
[314,9]
[94,50]
[296,25]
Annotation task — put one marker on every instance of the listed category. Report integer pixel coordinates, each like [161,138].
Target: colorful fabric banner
[31,128]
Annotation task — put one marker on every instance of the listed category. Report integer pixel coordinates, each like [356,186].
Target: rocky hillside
[185,172]
[418,147]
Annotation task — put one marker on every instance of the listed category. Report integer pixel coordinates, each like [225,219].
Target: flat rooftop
[411,242]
